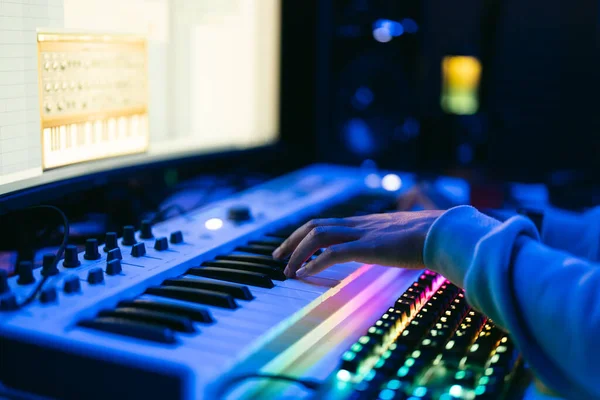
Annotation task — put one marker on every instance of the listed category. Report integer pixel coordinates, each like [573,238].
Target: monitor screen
[88,86]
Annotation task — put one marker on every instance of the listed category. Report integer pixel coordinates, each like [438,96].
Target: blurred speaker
[367,93]
[379,86]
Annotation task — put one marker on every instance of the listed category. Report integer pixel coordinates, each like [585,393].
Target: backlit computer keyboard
[195,307]
[430,344]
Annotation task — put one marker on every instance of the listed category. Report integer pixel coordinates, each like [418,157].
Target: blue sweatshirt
[544,290]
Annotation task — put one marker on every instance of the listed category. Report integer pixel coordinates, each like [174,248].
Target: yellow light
[214,224]
[460,76]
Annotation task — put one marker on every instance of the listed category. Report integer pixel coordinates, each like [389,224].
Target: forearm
[545,298]
[579,234]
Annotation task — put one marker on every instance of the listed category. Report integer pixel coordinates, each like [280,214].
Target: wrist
[452,240]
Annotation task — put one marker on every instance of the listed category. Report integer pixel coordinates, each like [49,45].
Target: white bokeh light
[214,224]
[391,182]
[373,181]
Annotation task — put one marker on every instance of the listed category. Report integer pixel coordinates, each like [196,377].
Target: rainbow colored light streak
[380,351]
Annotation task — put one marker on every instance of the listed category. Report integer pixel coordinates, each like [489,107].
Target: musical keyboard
[185,309]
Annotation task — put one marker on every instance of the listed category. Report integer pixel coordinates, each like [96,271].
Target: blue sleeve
[529,289]
[579,234]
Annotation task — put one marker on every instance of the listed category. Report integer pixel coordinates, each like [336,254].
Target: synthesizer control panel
[182,307]
[93,96]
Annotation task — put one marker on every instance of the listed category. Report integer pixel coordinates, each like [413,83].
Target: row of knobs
[95,275]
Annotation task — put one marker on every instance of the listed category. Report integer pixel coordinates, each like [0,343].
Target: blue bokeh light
[359,137]
[363,97]
[409,25]
[465,153]
[385,29]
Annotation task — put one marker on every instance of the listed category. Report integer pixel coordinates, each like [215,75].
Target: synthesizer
[195,307]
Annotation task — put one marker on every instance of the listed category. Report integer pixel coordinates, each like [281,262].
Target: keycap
[257,249]
[161,244]
[271,272]
[48,295]
[229,275]
[71,284]
[199,296]
[131,328]
[114,254]
[194,313]
[238,291]
[138,250]
[95,276]
[114,267]
[177,323]
[256,259]
[9,302]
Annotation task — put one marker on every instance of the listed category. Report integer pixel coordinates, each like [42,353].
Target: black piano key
[275,242]
[286,231]
[255,259]
[194,313]
[271,272]
[134,329]
[199,296]
[238,291]
[256,249]
[174,322]
[230,275]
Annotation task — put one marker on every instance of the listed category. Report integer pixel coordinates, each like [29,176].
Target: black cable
[59,252]
[309,384]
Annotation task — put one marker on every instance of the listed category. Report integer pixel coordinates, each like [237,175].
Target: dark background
[346,98]
[538,119]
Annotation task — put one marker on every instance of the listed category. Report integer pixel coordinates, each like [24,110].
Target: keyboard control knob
[114,267]
[146,230]
[110,241]
[239,214]
[9,303]
[4,282]
[25,271]
[71,257]
[72,284]
[114,254]
[138,250]
[49,267]
[128,236]
[176,237]
[48,295]
[161,244]
[91,250]
[95,276]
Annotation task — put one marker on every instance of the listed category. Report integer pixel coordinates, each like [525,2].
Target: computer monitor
[90,86]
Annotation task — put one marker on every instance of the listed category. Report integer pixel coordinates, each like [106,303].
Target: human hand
[394,239]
